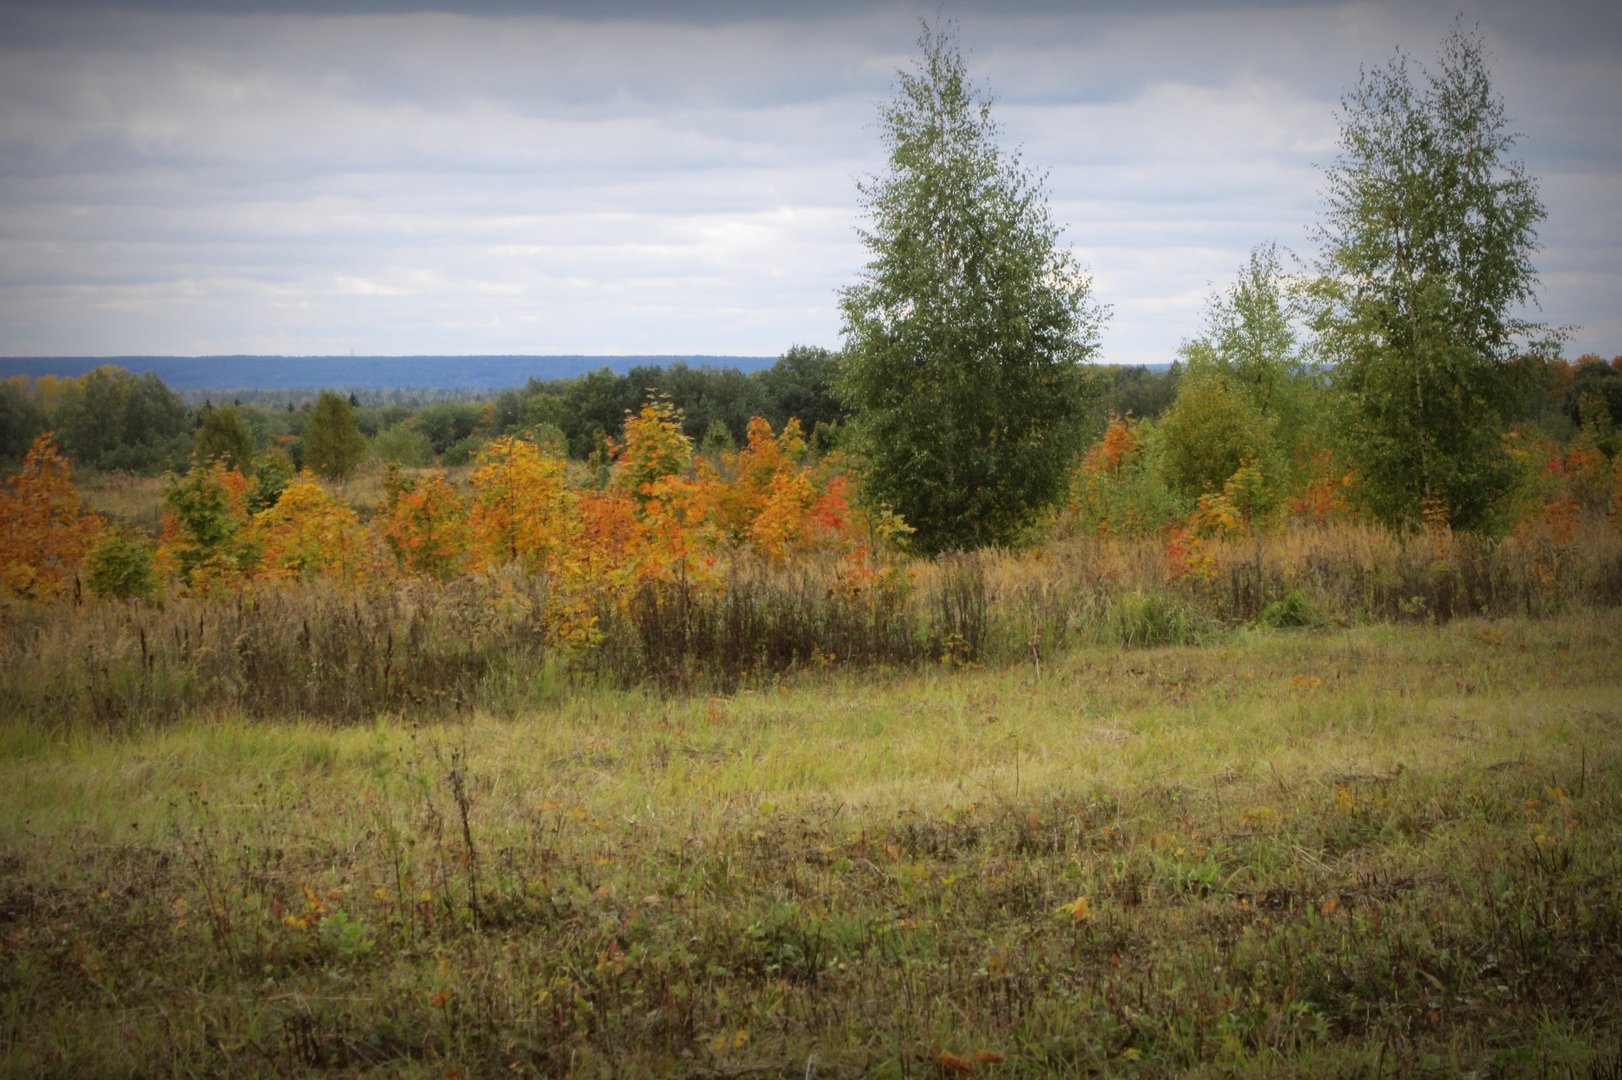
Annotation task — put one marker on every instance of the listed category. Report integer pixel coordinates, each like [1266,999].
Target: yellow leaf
[1080,908]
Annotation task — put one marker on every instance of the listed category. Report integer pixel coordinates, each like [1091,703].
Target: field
[1371,850]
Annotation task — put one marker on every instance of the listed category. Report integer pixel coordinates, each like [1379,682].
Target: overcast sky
[390,176]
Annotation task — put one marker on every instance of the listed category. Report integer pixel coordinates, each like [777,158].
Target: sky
[204,177]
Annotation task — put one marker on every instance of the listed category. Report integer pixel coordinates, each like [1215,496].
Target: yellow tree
[654,448]
[524,514]
[309,533]
[523,509]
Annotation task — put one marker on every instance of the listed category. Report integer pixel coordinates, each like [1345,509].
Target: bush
[120,565]
[403,445]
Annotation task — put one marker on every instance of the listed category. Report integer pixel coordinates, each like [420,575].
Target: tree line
[113,420]
[1390,376]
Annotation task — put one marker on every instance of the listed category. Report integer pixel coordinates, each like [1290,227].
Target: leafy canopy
[966,334]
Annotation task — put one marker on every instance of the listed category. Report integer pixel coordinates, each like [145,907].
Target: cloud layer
[572,178]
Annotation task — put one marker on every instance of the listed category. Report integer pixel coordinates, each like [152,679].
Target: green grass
[1367,851]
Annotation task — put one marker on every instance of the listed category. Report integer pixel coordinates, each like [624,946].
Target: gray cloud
[401,177]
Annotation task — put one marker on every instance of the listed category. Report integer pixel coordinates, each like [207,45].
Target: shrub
[120,565]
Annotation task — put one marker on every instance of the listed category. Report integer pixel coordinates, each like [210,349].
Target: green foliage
[1134,390]
[966,334]
[274,473]
[223,436]
[1154,617]
[333,444]
[115,421]
[1426,242]
[1210,431]
[1293,611]
[1250,336]
[120,565]
[207,508]
[21,419]
[595,405]
[1120,487]
[717,438]
[446,423]
[404,445]
[462,451]
[1593,396]
[801,386]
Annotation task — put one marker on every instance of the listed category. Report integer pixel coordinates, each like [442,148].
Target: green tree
[967,332]
[801,386]
[224,436]
[333,444]
[1245,396]
[116,421]
[21,418]
[1250,337]
[403,444]
[1426,245]
[1211,430]
[120,565]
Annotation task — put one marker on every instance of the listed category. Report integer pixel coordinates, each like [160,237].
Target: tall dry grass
[426,649]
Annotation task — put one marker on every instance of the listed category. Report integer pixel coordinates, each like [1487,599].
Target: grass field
[1375,851]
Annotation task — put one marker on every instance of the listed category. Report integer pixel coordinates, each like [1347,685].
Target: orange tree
[47,530]
[424,523]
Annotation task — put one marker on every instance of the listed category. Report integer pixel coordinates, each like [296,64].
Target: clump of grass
[1293,611]
[1153,618]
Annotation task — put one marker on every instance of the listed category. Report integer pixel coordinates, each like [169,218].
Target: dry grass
[134,501]
[422,649]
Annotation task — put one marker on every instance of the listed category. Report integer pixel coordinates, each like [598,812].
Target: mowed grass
[1371,851]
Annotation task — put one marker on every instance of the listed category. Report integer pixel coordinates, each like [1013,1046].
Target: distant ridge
[362,372]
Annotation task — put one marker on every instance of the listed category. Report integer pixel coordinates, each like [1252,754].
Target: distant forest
[465,375]
[110,418]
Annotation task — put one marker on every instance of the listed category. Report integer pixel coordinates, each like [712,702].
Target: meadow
[1349,850]
[672,765]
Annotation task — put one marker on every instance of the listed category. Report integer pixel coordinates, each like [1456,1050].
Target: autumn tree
[654,447]
[966,334]
[1426,256]
[47,529]
[523,510]
[310,533]
[424,523]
